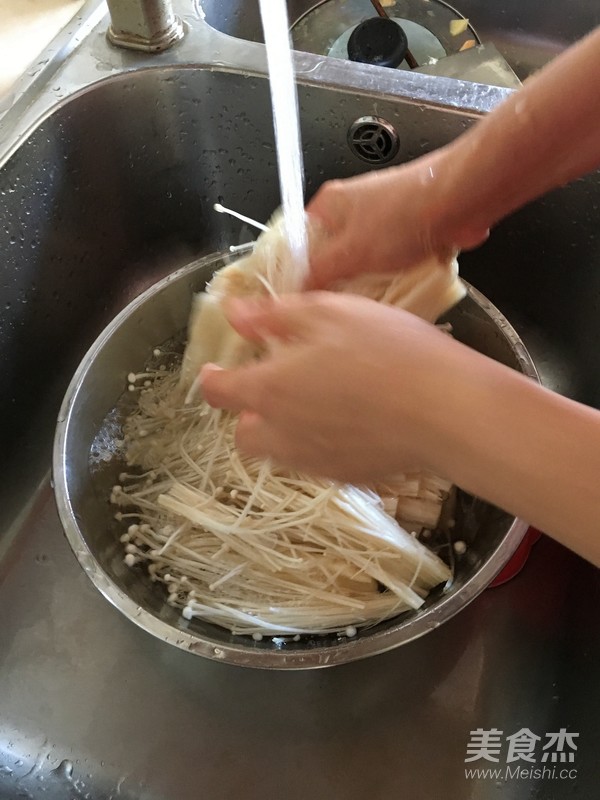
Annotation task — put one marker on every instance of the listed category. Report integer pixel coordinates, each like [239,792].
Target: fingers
[469,239]
[287,319]
[327,212]
[259,320]
[255,437]
[328,266]
[329,205]
[233,390]
[259,439]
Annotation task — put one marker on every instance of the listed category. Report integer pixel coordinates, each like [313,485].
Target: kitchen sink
[110,163]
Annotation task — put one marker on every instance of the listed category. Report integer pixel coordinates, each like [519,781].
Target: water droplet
[64,769]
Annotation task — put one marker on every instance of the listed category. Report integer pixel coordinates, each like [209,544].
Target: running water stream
[286,123]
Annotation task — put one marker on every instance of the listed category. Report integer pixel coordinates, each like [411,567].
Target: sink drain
[373,139]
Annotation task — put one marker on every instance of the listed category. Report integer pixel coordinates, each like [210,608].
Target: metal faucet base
[155,45]
[146,25]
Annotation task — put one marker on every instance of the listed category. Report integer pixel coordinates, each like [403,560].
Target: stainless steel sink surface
[528,34]
[110,162]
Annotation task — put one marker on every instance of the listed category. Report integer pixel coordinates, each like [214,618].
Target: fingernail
[239,307]
[206,370]
[193,391]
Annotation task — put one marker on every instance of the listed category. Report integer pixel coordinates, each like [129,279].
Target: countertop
[26,27]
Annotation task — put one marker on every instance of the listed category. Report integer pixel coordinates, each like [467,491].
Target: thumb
[264,319]
[233,390]
[328,266]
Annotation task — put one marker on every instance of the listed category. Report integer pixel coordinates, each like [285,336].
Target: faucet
[148,25]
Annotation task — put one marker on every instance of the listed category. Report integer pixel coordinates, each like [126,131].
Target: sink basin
[526,34]
[108,171]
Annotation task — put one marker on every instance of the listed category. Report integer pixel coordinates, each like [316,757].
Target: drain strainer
[373,139]
[433,28]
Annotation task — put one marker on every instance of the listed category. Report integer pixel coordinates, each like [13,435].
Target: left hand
[348,390]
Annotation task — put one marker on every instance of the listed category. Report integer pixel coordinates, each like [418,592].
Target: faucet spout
[148,25]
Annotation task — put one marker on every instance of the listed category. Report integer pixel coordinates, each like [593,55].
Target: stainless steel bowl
[82,488]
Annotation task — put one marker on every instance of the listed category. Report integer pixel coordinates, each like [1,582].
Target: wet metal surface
[527,34]
[139,719]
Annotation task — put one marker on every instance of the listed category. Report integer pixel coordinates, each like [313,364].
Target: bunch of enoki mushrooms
[242,543]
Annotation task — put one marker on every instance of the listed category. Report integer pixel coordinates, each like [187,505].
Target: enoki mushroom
[256,549]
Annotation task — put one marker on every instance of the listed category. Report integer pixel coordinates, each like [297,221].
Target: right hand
[382,221]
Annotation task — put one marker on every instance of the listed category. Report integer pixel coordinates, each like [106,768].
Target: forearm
[543,136]
[532,452]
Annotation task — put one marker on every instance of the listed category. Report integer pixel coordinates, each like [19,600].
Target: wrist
[456,216]
[436,394]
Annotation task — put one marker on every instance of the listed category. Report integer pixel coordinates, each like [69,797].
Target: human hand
[387,220]
[349,390]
